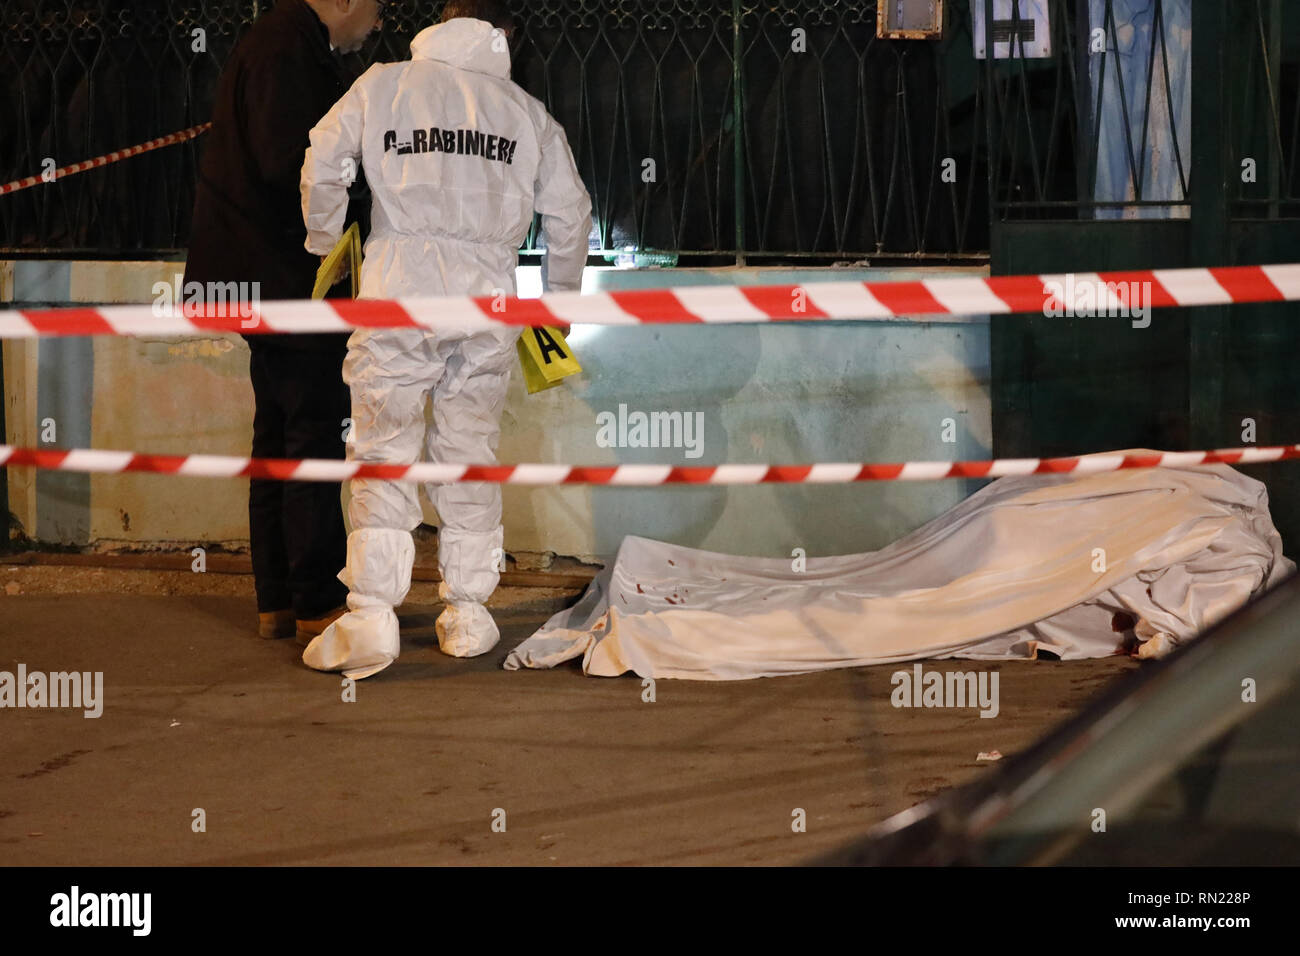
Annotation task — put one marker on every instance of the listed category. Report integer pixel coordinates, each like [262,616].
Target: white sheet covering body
[1025,564]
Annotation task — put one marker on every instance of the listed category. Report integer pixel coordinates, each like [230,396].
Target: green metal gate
[1196,378]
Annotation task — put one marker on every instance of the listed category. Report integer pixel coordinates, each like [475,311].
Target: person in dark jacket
[282,77]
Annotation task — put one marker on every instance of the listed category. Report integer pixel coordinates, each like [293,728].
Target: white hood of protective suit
[458,158]
[468,44]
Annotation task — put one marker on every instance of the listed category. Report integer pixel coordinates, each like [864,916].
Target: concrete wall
[865,391]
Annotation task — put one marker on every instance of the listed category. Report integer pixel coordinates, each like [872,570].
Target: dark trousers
[298,540]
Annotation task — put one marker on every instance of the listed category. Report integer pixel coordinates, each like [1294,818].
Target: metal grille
[1265,111]
[1106,131]
[838,153]
[841,135]
[845,144]
[82,77]
[1100,127]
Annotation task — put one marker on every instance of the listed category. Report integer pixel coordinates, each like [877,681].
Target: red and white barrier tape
[315,469]
[817,301]
[171,139]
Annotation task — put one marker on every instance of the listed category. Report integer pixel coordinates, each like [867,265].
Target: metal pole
[990,126]
[1208,239]
[1086,108]
[1275,157]
[738,127]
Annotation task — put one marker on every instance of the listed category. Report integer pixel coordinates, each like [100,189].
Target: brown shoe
[309,629]
[273,625]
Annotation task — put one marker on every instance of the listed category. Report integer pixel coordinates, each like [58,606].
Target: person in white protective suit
[458,158]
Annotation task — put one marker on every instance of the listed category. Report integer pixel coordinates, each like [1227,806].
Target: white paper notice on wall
[1023,22]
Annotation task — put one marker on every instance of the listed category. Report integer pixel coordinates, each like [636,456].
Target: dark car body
[1191,761]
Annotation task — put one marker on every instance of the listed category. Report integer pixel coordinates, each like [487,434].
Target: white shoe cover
[360,643]
[466,630]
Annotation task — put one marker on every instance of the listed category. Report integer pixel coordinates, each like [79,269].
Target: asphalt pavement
[215,747]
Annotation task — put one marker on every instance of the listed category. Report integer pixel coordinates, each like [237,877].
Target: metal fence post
[738,127]
[1208,246]
[991,126]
